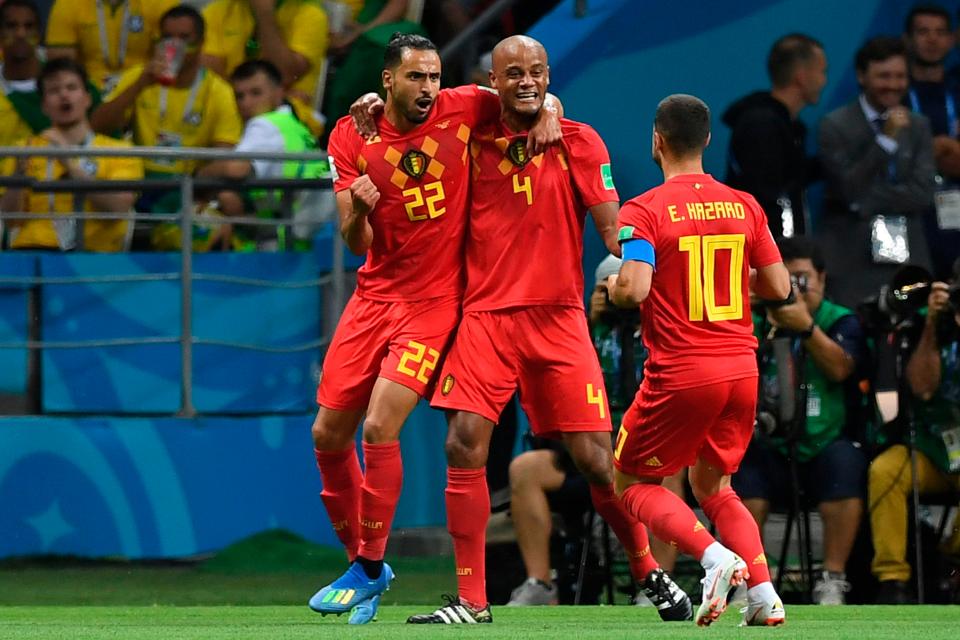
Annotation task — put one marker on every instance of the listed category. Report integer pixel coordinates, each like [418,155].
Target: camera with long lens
[898,301]
[780,397]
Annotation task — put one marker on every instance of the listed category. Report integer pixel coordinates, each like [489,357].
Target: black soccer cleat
[454,612]
[671,602]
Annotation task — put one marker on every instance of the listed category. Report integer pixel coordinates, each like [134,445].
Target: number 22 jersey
[696,320]
[423,179]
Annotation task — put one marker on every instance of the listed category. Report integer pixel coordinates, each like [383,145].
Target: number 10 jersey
[696,320]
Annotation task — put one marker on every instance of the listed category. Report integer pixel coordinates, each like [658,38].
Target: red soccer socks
[382,482]
[342,478]
[468,510]
[738,531]
[668,517]
[630,531]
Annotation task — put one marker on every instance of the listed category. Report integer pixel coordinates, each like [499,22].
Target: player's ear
[548,75]
[386,78]
[493,79]
[707,143]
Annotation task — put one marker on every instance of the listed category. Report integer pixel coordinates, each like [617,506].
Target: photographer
[546,480]
[933,373]
[828,339]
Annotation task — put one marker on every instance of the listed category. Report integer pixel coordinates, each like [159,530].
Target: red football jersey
[696,320]
[420,219]
[526,217]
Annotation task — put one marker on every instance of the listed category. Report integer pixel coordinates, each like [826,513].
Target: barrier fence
[187,185]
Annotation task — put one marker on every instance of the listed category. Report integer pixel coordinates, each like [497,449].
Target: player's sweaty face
[415,82]
[521,76]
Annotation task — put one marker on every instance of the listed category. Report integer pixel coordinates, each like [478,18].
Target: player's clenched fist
[364,194]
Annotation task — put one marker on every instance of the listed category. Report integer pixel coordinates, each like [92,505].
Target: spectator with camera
[933,374]
[827,344]
[546,479]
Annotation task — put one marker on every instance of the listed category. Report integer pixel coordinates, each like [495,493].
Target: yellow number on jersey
[701,276]
[596,397]
[523,186]
[431,203]
[621,440]
[424,356]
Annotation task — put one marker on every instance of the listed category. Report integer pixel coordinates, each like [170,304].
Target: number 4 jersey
[423,179]
[696,320]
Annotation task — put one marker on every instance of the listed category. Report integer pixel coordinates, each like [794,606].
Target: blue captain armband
[639,249]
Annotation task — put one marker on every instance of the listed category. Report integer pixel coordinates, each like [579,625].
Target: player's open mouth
[527,96]
[424,103]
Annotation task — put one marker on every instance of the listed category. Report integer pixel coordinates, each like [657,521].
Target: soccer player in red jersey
[402,198]
[524,326]
[689,247]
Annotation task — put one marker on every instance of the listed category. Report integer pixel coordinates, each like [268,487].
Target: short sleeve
[127,79]
[61,25]
[343,149]
[213,41]
[637,221]
[308,34]
[261,135]
[848,333]
[589,163]
[480,104]
[764,251]
[227,124]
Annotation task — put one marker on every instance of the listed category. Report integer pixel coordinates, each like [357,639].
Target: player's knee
[465,453]
[379,431]
[330,435]
[524,470]
[595,464]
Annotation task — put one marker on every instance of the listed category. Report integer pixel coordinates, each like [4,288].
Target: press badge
[948,208]
[889,243]
[951,441]
[813,404]
[168,139]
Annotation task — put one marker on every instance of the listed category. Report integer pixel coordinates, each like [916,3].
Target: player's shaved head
[510,48]
[683,121]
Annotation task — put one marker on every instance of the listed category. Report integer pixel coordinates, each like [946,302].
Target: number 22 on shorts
[421,355]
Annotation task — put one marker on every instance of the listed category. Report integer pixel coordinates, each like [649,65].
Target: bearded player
[688,249]
[402,199]
[524,326]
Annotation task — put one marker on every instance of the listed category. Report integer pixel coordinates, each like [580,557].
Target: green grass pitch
[606,623]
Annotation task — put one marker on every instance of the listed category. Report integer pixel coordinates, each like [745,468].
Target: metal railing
[186,184]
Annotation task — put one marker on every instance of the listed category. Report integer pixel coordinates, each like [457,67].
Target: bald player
[524,326]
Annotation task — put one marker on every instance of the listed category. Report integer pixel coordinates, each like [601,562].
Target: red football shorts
[546,352]
[399,341]
[664,431]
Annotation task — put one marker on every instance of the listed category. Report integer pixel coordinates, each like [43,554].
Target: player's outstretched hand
[364,195]
[545,133]
[364,112]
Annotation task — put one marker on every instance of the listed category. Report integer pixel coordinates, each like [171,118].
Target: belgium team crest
[517,152]
[414,163]
[447,385]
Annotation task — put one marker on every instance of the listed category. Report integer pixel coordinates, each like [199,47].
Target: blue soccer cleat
[365,612]
[350,589]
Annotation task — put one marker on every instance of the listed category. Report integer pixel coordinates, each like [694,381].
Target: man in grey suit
[878,162]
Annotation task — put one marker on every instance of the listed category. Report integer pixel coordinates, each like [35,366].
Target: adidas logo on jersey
[760,559]
[653,462]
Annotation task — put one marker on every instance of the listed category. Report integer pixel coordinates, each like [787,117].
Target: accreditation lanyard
[953,126]
[124,32]
[188,114]
[69,230]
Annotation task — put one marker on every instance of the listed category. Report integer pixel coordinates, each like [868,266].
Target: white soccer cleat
[716,585]
[764,614]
